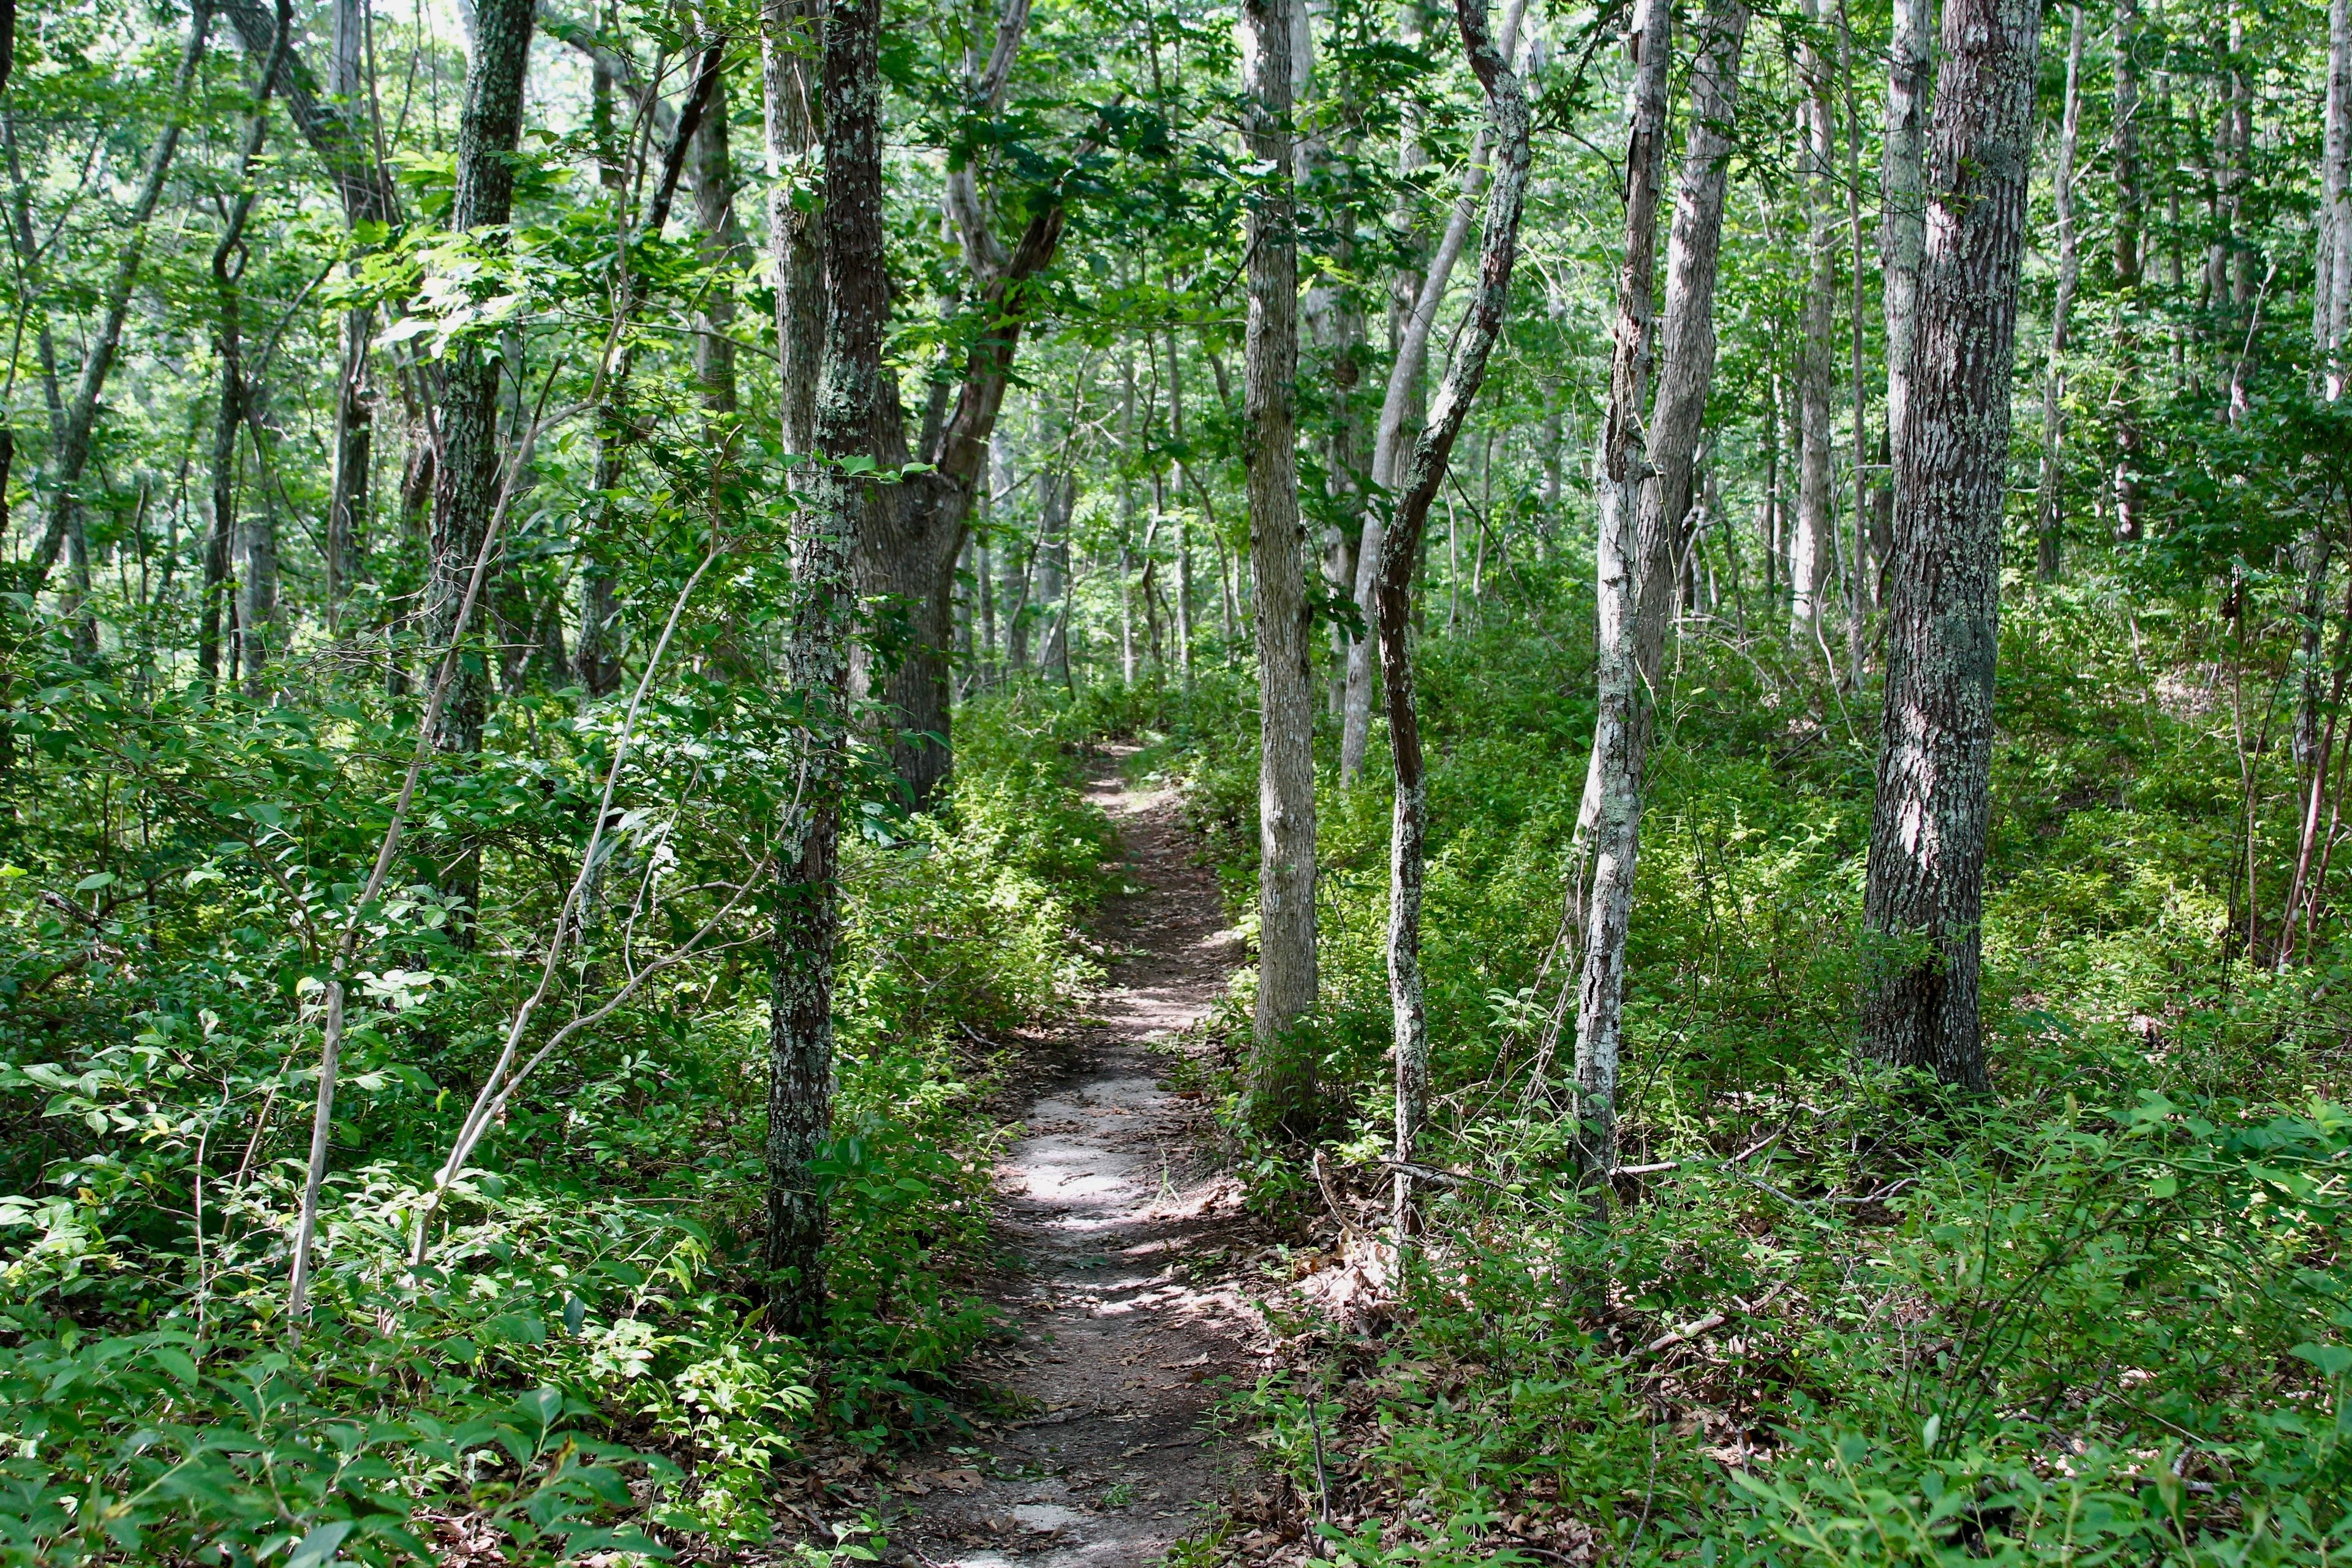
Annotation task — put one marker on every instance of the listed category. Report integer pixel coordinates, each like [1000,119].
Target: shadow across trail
[1111,1245]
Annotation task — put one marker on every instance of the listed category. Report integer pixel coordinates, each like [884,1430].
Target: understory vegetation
[1835,1316]
[576,1360]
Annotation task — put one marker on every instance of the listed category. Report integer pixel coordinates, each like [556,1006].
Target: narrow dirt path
[1112,1247]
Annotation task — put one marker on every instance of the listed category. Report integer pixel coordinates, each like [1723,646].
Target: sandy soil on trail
[1113,1242]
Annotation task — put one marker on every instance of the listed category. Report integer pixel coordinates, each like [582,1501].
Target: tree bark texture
[1923,900]
[1611,789]
[2334,288]
[1901,185]
[825,530]
[1810,548]
[1686,333]
[2051,518]
[1400,406]
[1282,1092]
[792,111]
[466,479]
[1507,119]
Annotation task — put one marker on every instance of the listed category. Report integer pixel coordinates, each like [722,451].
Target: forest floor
[1120,1249]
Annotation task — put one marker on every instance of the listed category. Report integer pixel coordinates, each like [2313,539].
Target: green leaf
[2333,1360]
[319,1546]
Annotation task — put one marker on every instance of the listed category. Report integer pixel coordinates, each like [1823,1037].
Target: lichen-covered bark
[1923,900]
[1282,1069]
[1903,225]
[1810,548]
[466,477]
[2051,512]
[788,97]
[1507,112]
[824,532]
[1618,557]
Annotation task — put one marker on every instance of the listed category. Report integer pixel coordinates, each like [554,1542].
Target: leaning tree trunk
[1686,334]
[71,455]
[466,481]
[1282,1070]
[825,532]
[1506,110]
[1924,900]
[2051,507]
[1612,786]
[2123,146]
[1400,406]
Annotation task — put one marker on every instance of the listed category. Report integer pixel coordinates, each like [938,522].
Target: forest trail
[1112,1240]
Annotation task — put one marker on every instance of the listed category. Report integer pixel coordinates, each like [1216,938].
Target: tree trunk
[1811,546]
[1506,109]
[1401,408]
[72,447]
[1282,1094]
[2335,194]
[793,112]
[2123,146]
[1687,335]
[808,912]
[1924,900]
[720,244]
[2052,511]
[1613,798]
[466,481]
[1902,185]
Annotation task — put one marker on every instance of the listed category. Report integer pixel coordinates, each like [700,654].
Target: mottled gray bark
[1810,545]
[825,536]
[466,479]
[2052,506]
[71,453]
[2334,286]
[1902,193]
[1507,111]
[1924,901]
[1400,410]
[1686,340]
[1612,793]
[2124,147]
[792,112]
[1282,1092]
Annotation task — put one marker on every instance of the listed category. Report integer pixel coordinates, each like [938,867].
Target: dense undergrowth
[1838,1320]
[578,1361]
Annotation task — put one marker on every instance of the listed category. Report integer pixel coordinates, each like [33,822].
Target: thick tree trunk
[1924,901]
[466,481]
[1902,184]
[2050,522]
[1282,1092]
[1506,110]
[1613,798]
[1812,547]
[71,449]
[825,532]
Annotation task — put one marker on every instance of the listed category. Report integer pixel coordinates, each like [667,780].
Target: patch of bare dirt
[1119,1248]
